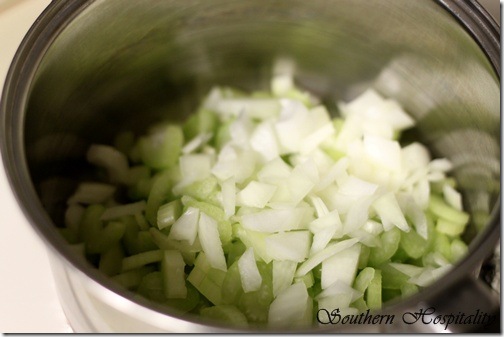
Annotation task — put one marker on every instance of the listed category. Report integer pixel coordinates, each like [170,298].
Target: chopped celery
[172,267]
[392,278]
[232,287]
[136,241]
[106,238]
[161,149]
[207,280]
[249,273]
[226,313]
[151,287]
[110,260]
[255,304]
[449,228]
[364,278]
[440,208]
[168,213]
[408,289]
[389,244]
[141,259]
[260,209]
[91,225]
[236,249]
[223,225]
[307,279]
[159,194]
[413,244]
[70,235]
[458,250]
[374,291]
[132,278]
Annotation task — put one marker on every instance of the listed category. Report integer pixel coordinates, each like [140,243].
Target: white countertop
[28,298]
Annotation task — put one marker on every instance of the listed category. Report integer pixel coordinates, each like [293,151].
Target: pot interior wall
[124,64]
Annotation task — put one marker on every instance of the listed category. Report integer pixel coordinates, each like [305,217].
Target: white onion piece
[210,242]
[390,213]
[228,194]
[452,197]
[341,267]
[326,253]
[186,226]
[255,194]
[250,277]
[274,220]
[263,140]
[283,275]
[289,246]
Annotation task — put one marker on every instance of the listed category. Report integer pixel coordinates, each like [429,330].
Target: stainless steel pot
[90,68]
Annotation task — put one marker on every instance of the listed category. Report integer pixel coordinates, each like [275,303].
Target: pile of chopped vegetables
[262,209]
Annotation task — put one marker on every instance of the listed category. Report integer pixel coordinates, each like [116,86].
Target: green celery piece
[190,127]
[71,236]
[255,304]
[207,280]
[151,287]
[91,225]
[185,304]
[110,261]
[437,186]
[458,250]
[173,272]
[360,304]
[162,150]
[449,228]
[141,259]
[389,244]
[106,238]
[400,255]
[160,193]
[408,290]
[302,96]
[203,121]
[225,313]
[363,279]
[132,278]
[162,241]
[308,279]
[223,135]
[441,209]
[231,287]
[315,290]
[236,249]
[390,294]
[392,278]
[317,271]
[203,190]
[168,213]
[223,225]
[442,245]
[363,257]
[136,241]
[253,239]
[139,180]
[374,291]
[413,244]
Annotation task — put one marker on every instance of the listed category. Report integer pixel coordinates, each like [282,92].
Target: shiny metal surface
[91,68]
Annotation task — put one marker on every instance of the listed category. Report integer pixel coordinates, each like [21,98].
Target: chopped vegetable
[260,207]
